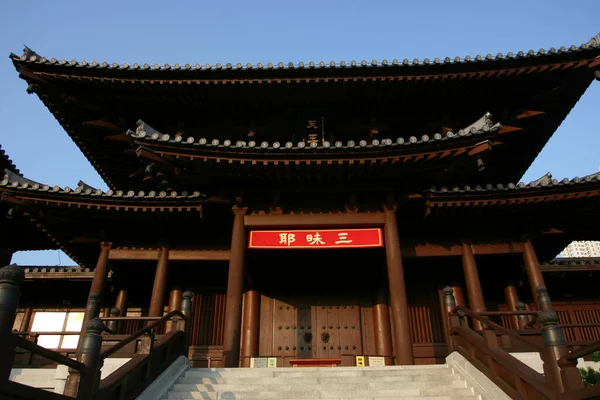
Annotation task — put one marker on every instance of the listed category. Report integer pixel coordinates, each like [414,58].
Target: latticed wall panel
[424,310]
[209,319]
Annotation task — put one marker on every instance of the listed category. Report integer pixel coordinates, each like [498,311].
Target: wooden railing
[565,362]
[83,382]
[561,378]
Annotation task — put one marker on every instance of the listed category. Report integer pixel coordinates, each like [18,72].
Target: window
[57,322]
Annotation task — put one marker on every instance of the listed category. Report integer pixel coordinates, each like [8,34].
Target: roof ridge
[14,181]
[544,181]
[146,132]
[31,56]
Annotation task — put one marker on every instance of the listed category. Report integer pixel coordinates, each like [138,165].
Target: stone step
[324,372]
[328,394]
[442,387]
[266,380]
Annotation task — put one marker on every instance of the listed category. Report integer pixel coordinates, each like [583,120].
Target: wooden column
[512,298]
[235,285]
[381,326]
[121,305]
[157,302]
[26,320]
[459,295]
[534,272]
[175,297]
[101,271]
[250,326]
[399,305]
[474,291]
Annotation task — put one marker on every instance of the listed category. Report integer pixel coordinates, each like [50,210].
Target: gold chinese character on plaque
[312,123]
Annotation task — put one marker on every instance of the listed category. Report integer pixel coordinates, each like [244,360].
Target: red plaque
[316,239]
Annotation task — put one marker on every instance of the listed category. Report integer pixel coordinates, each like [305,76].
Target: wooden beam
[133,254]
[480,148]
[509,129]
[174,255]
[594,63]
[313,220]
[99,123]
[500,248]
[433,250]
[529,113]
[199,255]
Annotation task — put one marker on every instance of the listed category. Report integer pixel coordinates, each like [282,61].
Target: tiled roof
[146,132]
[12,180]
[544,181]
[30,56]
[7,161]
[575,261]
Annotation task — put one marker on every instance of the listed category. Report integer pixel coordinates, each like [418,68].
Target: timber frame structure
[428,152]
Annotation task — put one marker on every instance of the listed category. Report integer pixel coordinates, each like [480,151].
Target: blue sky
[262,31]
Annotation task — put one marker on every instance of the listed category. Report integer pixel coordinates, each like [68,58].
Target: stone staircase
[425,382]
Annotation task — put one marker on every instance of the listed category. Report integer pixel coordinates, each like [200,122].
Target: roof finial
[27,52]
[595,41]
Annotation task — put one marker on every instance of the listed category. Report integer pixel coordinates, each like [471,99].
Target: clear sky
[261,31]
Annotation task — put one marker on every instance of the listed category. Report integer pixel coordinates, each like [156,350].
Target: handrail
[527,374]
[141,332]
[130,318]
[579,325]
[582,352]
[53,333]
[49,354]
[506,313]
[500,328]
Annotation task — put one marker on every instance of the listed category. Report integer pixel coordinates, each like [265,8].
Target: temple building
[315,210]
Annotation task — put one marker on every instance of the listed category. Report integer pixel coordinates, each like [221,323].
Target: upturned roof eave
[588,50]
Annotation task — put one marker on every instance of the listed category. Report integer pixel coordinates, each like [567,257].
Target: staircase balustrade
[155,353]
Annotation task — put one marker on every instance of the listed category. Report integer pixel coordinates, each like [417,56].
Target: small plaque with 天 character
[316,239]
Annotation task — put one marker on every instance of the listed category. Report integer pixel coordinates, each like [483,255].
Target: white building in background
[582,249]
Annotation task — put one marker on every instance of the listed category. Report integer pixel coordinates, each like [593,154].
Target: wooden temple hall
[315,210]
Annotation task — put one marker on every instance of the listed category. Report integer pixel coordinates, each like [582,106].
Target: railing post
[90,357]
[92,310]
[186,309]
[555,347]
[113,326]
[522,319]
[451,319]
[10,279]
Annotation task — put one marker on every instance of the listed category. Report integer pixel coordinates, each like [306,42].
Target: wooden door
[284,329]
[309,328]
[338,330]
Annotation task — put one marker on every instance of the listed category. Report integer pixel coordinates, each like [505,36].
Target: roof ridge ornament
[19,179]
[85,187]
[482,124]
[28,53]
[594,41]
[542,181]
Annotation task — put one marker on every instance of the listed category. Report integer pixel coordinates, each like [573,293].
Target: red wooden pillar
[121,305]
[381,325]
[157,302]
[473,283]
[512,298]
[459,295]
[534,272]
[235,286]
[250,326]
[399,305]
